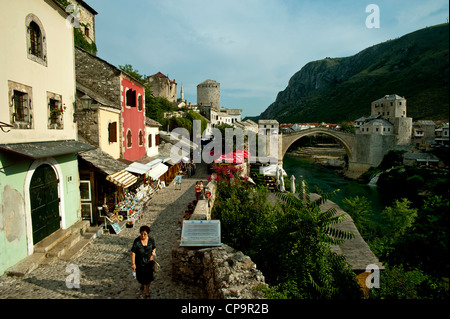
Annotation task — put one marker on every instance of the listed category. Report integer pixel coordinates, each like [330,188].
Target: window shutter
[141,138]
[157,139]
[112,130]
[150,140]
[129,139]
[140,103]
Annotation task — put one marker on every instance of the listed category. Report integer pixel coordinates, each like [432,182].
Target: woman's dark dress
[144,267]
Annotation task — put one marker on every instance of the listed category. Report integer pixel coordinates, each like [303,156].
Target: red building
[133,118]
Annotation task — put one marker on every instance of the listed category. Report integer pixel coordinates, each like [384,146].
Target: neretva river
[328,180]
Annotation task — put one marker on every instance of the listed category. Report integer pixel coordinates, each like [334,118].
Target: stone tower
[208,94]
[393,108]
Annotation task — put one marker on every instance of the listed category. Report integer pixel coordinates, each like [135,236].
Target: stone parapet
[222,271]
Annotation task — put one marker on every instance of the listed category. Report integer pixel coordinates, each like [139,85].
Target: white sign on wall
[201,233]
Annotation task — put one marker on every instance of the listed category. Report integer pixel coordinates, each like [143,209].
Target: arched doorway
[44,202]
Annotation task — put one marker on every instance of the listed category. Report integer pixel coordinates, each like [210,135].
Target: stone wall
[222,271]
[87,121]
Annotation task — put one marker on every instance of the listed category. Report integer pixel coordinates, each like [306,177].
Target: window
[55,112]
[20,105]
[150,140]
[21,110]
[130,98]
[112,132]
[157,140]
[141,138]
[129,136]
[86,32]
[36,40]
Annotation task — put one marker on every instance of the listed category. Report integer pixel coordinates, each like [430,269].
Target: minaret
[182,93]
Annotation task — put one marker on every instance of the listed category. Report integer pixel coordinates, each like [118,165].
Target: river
[329,179]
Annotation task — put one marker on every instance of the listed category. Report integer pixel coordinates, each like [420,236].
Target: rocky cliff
[415,66]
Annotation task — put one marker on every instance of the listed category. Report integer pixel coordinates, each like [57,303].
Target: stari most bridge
[364,150]
[347,140]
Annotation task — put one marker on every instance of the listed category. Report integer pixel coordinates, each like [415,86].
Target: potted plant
[55,113]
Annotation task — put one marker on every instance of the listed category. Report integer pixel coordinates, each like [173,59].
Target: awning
[122,178]
[138,168]
[46,149]
[157,171]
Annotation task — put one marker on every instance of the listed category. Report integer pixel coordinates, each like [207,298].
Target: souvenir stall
[123,179]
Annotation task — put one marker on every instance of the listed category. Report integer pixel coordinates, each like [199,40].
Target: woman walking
[142,255]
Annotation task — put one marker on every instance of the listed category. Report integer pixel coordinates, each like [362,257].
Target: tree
[128,68]
[398,217]
[359,208]
[288,240]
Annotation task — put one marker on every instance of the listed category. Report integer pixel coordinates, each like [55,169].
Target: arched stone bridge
[347,140]
[364,150]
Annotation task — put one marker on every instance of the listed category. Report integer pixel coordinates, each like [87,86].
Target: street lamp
[86,102]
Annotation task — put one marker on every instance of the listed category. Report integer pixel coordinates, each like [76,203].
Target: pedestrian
[142,255]
[189,170]
[178,179]
[203,190]
[198,191]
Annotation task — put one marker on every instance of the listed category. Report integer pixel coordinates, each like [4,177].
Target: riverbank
[327,155]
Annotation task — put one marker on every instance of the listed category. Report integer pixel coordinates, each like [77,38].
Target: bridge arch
[345,139]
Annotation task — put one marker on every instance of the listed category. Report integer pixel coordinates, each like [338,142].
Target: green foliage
[81,42]
[392,159]
[289,240]
[347,127]
[128,68]
[359,208]
[398,217]
[155,107]
[426,242]
[413,246]
[399,283]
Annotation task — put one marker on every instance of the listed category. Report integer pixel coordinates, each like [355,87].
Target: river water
[303,168]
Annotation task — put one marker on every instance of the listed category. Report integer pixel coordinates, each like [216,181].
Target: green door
[44,202]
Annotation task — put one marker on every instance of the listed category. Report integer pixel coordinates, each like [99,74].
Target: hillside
[415,66]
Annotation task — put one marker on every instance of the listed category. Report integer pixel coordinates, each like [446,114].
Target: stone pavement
[105,266]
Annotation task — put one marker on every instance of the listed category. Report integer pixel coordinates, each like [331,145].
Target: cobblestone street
[105,266]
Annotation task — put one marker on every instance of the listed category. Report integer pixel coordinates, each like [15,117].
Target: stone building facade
[393,109]
[87,19]
[162,86]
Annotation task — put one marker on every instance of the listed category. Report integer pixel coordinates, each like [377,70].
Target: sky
[251,47]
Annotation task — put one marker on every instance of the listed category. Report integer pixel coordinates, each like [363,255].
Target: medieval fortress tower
[208,94]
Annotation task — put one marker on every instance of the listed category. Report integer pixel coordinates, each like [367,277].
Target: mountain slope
[415,66]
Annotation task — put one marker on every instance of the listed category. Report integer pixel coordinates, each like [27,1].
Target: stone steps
[64,244]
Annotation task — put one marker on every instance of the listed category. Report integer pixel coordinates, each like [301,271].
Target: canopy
[271,170]
[122,178]
[157,170]
[138,168]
